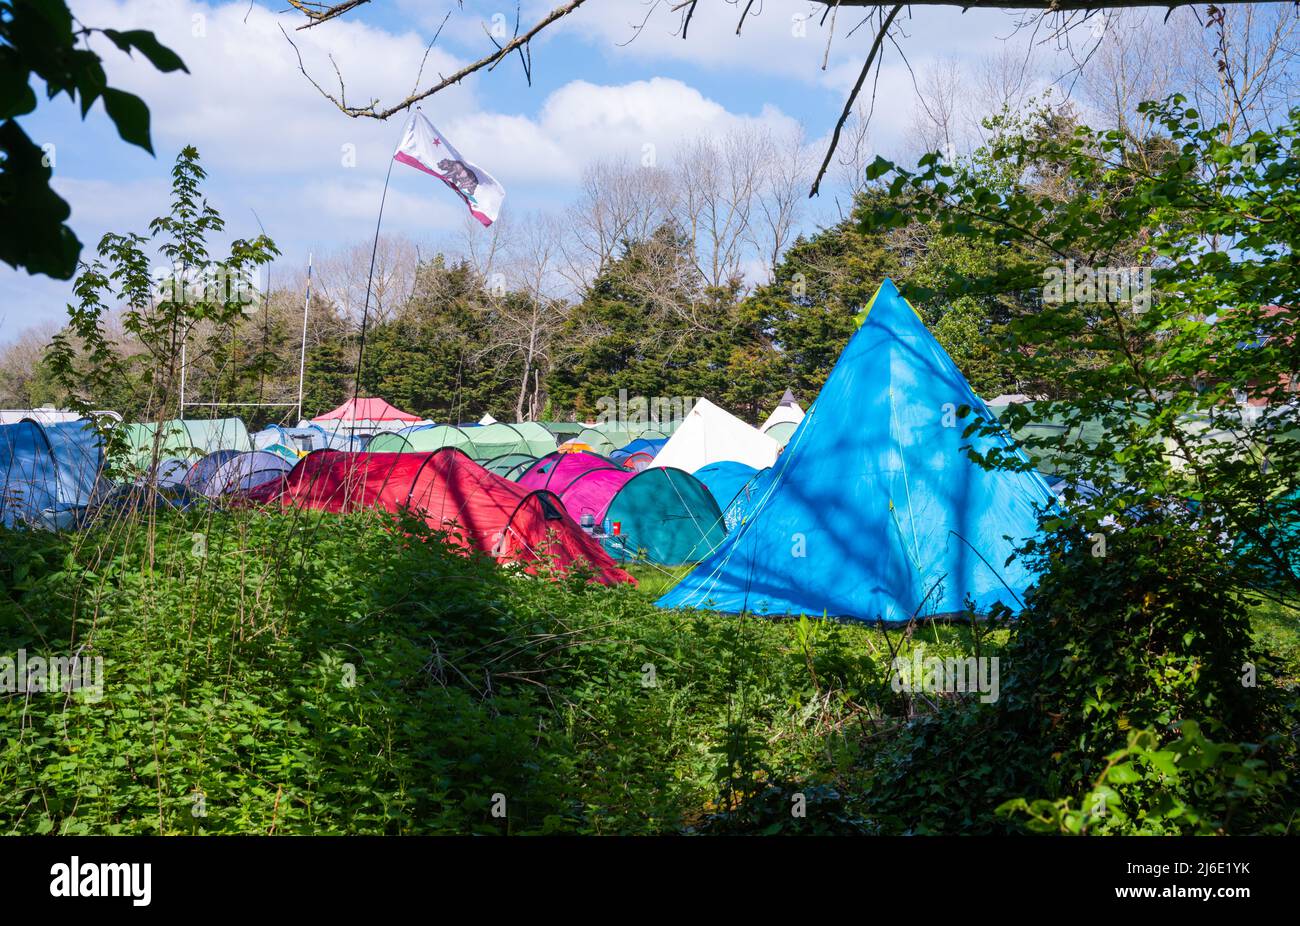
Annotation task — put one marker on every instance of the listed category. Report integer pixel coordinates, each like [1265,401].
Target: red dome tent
[478,508]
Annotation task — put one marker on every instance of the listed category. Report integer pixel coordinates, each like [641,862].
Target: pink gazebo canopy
[367,410]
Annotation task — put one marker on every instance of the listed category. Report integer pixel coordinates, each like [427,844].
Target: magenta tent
[661,515]
[585,482]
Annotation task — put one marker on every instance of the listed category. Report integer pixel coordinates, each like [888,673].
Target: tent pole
[365,311]
[302,356]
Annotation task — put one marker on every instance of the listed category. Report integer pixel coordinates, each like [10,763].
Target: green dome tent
[781,431]
[563,430]
[670,518]
[480,442]
[184,439]
[509,463]
[424,440]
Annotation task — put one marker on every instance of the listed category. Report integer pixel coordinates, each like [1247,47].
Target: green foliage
[648,326]
[1149,789]
[314,673]
[436,358]
[808,310]
[40,40]
[308,673]
[160,311]
[1144,637]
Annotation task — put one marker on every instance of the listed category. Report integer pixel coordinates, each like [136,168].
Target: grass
[1276,627]
[324,674]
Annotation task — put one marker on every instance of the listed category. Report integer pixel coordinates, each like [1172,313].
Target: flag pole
[365,312]
[302,355]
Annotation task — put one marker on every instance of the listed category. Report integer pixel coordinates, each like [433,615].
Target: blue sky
[272,144]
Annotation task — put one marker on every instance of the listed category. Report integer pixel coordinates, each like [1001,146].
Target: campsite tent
[781,432]
[874,509]
[368,415]
[726,481]
[1074,441]
[78,452]
[597,440]
[509,464]
[184,439]
[783,420]
[608,436]
[617,434]
[485,442]
[351,425]
[423,439]
[30,488]
[300,439]
[665,516]
[201,470]
[289,454]
[340,435]
[49,473]
[562,473]
[709,435]
[171,473]
[243,471]
[47,416]
[563,430]
[638,454]
[522,436]
[479,509]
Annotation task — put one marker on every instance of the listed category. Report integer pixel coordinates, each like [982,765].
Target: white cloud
[245,103]
[784,38]
[581,122]
[272,145]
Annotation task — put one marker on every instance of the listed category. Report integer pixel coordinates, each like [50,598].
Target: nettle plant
[1158,340]
[160,305]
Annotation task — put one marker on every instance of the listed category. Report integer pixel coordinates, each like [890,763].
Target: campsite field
[323,674]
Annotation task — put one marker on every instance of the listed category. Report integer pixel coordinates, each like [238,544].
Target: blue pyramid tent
[874,509]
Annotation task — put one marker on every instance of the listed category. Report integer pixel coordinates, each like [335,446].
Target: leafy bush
[307,673]
[1146,636]
[1149,789]
[314,673]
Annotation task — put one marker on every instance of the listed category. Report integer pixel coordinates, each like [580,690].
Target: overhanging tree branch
[1066,10]
[853,95]
[372,111]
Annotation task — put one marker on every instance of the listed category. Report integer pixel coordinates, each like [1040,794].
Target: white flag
[425,148]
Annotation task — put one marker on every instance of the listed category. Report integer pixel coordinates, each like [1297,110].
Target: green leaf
[1124,774]
[159,55]
[131,116]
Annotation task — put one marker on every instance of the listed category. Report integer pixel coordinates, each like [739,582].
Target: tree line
[688,277]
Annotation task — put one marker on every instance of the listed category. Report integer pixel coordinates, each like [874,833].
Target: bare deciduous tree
[938,122]
[779,199]
[342,277]
[526,321]
[619,201]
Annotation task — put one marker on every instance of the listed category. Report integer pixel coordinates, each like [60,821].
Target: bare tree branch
[372,109]
[857,88]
